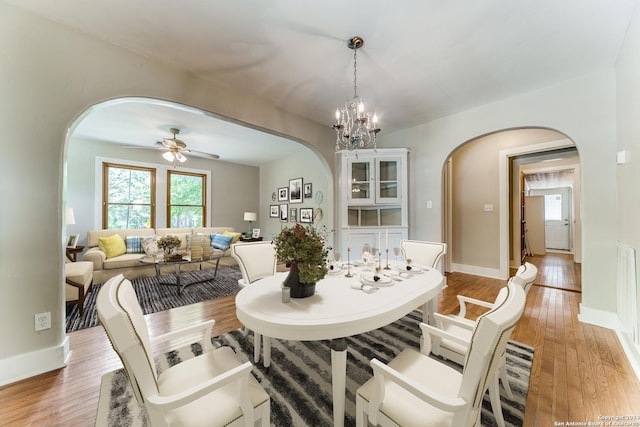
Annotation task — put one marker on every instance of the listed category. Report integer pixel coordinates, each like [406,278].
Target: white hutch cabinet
[372,200]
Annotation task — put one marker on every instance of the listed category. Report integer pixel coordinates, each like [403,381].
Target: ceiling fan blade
[201,154]
[161,147]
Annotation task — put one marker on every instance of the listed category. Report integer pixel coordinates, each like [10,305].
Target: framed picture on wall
[306,215]
[283,194]
[274,211]
[295,190]
[284,210]
[307,190]
[293,214]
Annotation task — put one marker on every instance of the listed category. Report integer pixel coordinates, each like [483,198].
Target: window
[128,196]
[553,207]
[186,204]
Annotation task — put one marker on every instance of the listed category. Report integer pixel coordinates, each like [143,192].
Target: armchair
[214,388]
[256,260]
[416,390]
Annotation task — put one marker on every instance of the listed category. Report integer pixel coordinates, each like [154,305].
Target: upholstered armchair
[417,390]
[214,388]
[79,279]
[256,261]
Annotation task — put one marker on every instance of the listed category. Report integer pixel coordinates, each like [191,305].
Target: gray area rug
[154,297]
[299,379]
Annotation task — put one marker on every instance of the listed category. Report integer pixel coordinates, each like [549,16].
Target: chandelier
[355,128]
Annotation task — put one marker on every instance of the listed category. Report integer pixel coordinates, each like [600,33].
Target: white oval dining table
[334,312]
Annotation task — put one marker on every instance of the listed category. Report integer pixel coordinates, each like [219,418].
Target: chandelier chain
[355,72]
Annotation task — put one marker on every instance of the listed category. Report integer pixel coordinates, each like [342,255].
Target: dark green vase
[298,290]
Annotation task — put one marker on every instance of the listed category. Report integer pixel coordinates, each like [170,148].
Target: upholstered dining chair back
[214,388]
[121,316]
[488,344]
[255,259]
[526,275]
[423,253]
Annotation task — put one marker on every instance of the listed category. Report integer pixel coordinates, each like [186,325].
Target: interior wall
[227,207]
[582,109]
[50,76]
[277,174]
[628,112]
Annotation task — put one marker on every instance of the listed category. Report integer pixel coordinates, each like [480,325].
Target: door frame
[505,205]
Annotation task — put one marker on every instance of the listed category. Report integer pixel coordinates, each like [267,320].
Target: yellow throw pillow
[112,246]
[236,236]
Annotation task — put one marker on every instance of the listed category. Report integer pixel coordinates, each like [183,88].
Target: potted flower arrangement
[169,244]
[303,250]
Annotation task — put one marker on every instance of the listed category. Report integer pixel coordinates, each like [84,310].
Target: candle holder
[387,267]
[348,263]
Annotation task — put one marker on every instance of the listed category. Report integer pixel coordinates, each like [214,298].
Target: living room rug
[154,297]
[299,379]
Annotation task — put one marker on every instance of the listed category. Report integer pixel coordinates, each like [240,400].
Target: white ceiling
[422,59]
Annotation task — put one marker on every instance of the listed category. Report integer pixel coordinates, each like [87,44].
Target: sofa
[128,263]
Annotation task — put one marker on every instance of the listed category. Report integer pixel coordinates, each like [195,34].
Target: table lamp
[250,216]
[70,217]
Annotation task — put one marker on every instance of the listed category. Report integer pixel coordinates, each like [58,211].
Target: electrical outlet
[43,321]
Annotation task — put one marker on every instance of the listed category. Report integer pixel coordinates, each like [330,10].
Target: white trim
[610,320]
[503,168]
[27,365]
[478,271]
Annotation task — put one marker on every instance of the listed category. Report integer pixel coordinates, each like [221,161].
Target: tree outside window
[186,205]
[128,197]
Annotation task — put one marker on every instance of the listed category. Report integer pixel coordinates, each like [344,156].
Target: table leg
[177,266]
[338,378]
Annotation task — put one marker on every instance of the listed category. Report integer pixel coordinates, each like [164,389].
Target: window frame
[105,191]
[169,205]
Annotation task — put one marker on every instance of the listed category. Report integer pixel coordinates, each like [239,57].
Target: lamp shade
[70,217]
[250,216]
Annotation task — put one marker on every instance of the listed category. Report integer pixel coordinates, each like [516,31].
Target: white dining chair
[214,388]
[417,390]
[256,260]
[459,326]
[427,254]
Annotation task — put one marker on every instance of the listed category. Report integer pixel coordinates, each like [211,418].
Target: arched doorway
[482,200]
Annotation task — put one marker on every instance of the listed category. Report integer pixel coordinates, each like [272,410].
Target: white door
[557,217]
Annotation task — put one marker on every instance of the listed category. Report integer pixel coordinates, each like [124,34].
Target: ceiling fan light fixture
[168,156]
[180,157]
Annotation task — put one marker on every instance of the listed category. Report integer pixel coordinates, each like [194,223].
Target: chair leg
[494,395]
[266,357]
[505,380]
[257,339]
[360,414]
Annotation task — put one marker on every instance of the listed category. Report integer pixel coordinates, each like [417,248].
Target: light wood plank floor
[579,371]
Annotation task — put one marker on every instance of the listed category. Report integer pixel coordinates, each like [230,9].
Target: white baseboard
[610,320]
[35,363]
[477,271]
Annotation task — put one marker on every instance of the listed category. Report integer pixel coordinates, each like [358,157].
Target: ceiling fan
[176,149]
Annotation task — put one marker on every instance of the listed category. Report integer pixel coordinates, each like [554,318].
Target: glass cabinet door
[388,182]
[360,176]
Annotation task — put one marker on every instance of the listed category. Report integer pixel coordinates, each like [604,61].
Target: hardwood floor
[579,371]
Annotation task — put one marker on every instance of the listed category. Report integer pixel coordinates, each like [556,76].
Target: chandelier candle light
[355,127]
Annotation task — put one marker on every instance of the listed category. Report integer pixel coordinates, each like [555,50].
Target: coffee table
[178,263]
